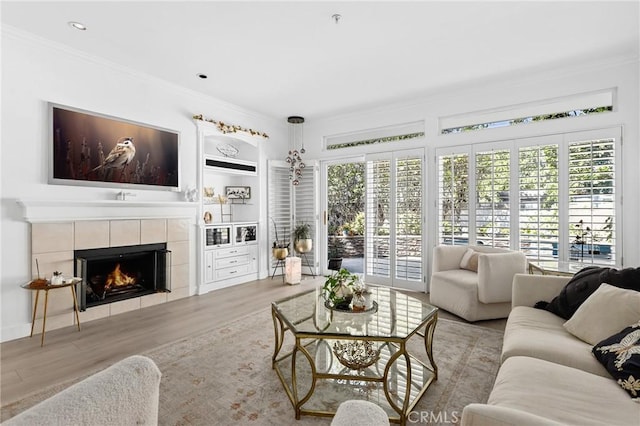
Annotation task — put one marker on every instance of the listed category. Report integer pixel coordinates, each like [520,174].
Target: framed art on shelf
[238,192]
[92,149]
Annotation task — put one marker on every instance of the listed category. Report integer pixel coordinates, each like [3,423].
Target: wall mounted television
[93,149]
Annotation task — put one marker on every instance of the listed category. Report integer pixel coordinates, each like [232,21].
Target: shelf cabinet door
[209,262]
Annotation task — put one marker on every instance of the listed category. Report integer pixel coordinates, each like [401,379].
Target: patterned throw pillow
[620,355]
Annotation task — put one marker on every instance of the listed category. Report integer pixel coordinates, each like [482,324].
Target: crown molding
[507,80]
[37,41]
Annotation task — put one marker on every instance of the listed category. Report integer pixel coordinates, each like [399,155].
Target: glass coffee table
[323,359]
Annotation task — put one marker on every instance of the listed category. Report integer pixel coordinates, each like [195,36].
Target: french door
[394,214]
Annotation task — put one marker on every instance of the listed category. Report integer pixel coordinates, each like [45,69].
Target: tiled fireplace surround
[53,245]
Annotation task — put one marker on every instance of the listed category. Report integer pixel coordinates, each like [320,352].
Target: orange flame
[117,278]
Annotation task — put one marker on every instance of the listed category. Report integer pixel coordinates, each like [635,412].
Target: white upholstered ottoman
[360,413]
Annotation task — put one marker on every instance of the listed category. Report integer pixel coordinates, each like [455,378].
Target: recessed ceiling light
[77,25]
[202,76]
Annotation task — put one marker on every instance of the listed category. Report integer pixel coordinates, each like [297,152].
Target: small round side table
[71,283]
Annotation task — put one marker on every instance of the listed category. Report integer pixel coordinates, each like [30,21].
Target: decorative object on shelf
[227,150]
[238,192]
[359,301]
[208,194]
[92,149]
[222,200]
[191,194]
[207,217]
[57,278]
[356,355]
[38,282]
[295,157]
[230,128]
[338,289]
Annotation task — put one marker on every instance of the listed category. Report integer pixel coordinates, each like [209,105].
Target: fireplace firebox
[118,273]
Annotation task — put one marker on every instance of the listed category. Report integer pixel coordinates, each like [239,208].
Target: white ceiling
[291,58]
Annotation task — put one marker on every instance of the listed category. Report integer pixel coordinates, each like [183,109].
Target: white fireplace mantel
[38,210]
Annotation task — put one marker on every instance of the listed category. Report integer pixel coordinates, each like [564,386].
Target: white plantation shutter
[559,192]
[408,204]
[280,204]
[592,202]
[306,209]
[453,198]
[538,185]
[492,208]
[378,217]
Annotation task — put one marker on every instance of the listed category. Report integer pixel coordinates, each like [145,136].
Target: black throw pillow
[620,355]
[584,283]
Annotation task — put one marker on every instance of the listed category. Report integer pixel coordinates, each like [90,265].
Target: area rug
[224,376]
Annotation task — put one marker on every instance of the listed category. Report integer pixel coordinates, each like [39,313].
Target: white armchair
[481,295]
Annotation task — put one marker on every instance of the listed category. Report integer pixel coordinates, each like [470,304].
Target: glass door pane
[345,216]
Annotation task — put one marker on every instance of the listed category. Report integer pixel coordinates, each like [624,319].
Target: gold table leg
[44,319]
[75,305]
[35,309]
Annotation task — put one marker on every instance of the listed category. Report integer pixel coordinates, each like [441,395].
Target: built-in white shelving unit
[227,161]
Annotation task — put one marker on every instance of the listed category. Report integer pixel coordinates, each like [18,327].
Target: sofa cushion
[540,334]
[584,283]
[608,310]
[470,260]
[620,354]
[562,394]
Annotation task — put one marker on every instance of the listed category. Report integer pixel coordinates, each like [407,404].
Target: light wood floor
[26,367]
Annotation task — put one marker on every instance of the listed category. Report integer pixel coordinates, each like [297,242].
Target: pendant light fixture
[295,157]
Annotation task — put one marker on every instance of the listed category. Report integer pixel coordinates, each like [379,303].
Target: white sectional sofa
[548,376]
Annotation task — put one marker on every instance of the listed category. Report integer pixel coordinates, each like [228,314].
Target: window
[538,201]
[552,109]
[592,207]
[566,205]
[395,133]
[492,198]
[408,215]
[453,206]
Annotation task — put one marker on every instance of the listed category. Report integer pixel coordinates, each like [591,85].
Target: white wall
[619,72]
[35,72]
